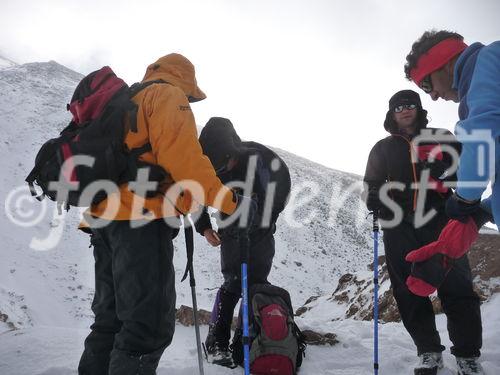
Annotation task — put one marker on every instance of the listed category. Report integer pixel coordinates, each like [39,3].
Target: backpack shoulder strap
[139,86]
[188,232]
[133,91]
[136,152]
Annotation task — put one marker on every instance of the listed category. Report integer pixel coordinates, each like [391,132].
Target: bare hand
[212,237]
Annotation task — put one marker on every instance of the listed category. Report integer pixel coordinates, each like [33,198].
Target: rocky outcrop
[354,292]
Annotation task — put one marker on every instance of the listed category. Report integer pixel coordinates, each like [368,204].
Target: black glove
[373,202]
[437,168]
[459,208]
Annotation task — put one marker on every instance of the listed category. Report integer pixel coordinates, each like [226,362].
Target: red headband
[436,58]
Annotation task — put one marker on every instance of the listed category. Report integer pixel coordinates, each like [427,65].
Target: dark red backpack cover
[277,344]
[99,106]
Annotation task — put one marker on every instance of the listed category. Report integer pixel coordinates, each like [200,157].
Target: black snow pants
[459,301]
[134,301]
[260,258]
[261,254]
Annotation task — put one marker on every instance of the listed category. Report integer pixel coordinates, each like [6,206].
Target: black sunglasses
[426,84]
[400,108]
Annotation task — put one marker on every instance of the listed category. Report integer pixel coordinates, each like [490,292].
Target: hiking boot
[469,366]
[220,355]
[211,339]
[216,352]
[429,364]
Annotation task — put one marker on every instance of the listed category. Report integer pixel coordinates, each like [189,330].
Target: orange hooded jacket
[164,119]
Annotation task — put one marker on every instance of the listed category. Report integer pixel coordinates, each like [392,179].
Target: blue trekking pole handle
[375,292]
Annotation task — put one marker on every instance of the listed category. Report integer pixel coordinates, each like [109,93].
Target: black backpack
[279,174]
[100,104]
[277,344]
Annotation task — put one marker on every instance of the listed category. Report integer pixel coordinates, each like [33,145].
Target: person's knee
[148,334]
[165,331]
[232,285]
[402,293]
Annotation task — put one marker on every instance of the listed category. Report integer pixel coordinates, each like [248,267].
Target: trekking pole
[375,292]
[188,232]
[244,253]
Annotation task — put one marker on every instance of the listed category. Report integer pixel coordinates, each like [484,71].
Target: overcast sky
[312,77]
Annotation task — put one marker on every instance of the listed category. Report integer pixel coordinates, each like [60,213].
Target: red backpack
[100,104]
[277,344]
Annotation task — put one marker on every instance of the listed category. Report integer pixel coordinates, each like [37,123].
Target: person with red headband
[445,67]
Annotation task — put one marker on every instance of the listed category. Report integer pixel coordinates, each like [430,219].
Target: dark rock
[301,310]
[342,297]
[311,299]
[315,338]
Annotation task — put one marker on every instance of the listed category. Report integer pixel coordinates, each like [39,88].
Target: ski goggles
[426,84]
[400,108]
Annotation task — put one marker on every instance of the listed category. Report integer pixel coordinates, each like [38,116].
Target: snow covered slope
[6,63]
[312,251]
[46,294]
[46,350]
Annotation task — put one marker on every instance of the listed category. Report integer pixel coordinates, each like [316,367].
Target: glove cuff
[466,201]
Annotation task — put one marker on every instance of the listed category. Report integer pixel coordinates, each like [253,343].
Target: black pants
[134,302]
[260,261]
[460,302]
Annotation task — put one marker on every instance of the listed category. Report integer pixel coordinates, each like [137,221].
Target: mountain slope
[6,63]
[46,284]
[312,251]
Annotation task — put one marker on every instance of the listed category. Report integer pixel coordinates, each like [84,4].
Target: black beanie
[404,97]
[219,141]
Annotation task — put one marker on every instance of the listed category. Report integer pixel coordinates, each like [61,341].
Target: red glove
[419,287]
[454,241]
[427,276]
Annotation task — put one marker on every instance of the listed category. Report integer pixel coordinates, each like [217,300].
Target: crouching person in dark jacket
[262,174]
[418,162]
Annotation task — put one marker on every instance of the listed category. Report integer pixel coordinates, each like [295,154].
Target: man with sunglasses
[403,160]
[267,180]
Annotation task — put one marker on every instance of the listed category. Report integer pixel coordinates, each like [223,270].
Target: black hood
[220,142]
